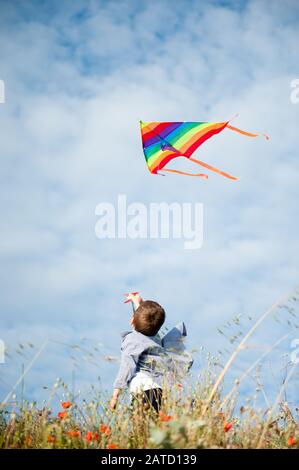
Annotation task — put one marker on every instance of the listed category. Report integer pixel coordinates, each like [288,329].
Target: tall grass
[183,422]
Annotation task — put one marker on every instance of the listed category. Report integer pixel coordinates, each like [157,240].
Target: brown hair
[148,318]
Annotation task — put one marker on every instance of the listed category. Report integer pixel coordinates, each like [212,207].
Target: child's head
[148,318]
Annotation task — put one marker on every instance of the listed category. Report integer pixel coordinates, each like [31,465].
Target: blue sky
[79,76]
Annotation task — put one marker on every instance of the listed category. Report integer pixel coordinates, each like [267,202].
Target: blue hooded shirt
[153,355]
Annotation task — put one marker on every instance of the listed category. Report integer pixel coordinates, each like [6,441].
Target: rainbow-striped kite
[163,141]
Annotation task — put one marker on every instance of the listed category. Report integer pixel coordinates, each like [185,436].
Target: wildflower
[179,386]
[62,414]
[164,417]
[74,433]
[51,439]
[28,441]
[291,441]
[88,436]
[111,446]
[105,429]
[66,405]
[227,426]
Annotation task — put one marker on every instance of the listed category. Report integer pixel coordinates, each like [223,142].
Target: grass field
[185,421]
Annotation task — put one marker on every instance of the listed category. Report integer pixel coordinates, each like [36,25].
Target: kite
[164,141]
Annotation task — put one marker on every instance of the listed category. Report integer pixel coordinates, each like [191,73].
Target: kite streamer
[164,141]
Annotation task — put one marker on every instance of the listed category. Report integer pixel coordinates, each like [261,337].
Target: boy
[146,358]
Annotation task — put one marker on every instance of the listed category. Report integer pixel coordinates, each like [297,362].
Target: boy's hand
[133,297]
[113,401]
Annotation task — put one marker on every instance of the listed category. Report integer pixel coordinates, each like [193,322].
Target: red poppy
[74,433]
[88,436]
[51,439]
[66,405]
[62,414]
[111,446]
[28,440]
[227,426]
[164,417]
[291,441]
[105,429]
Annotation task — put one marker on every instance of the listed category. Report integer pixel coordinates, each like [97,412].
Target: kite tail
[248,134]
[209,167]
[202,175]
